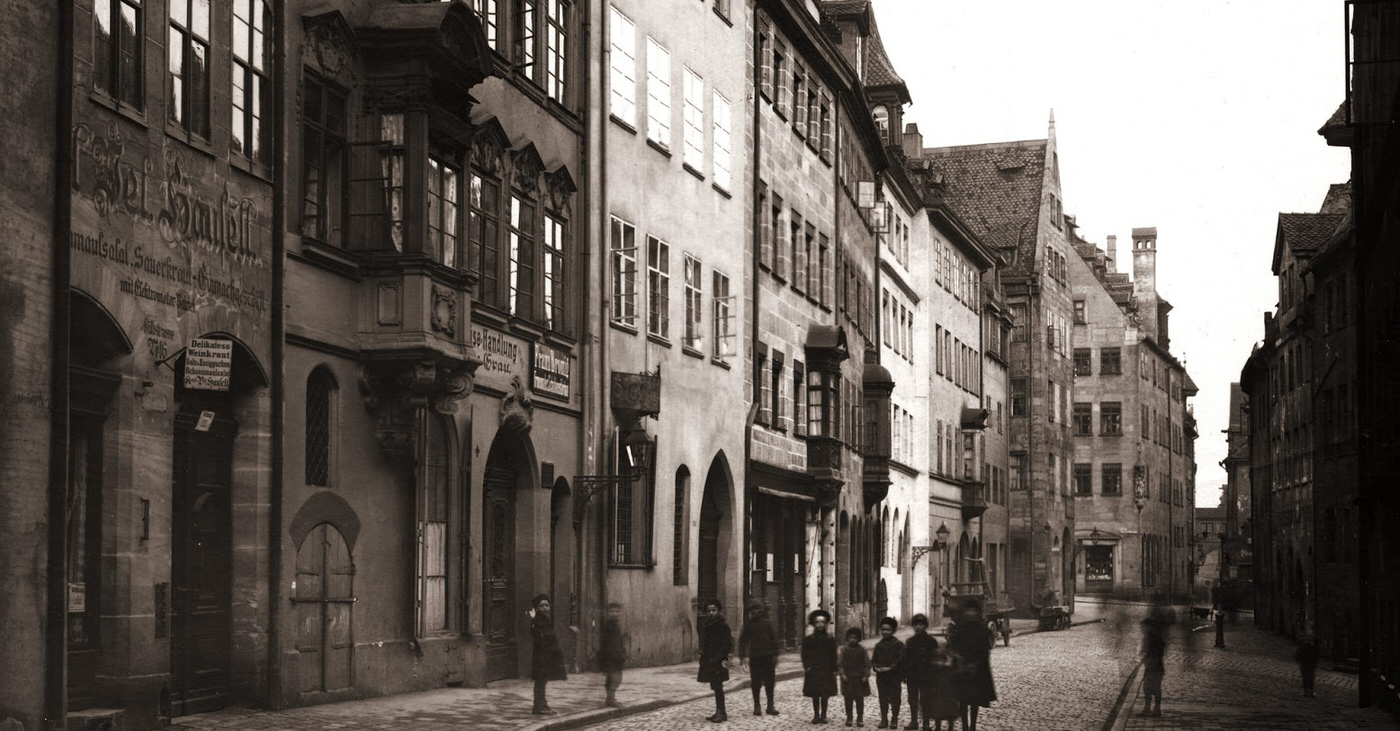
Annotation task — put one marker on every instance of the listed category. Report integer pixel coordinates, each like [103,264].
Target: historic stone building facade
[1009,195]
[1134,469]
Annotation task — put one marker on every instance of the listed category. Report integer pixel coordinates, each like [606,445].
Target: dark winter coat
[940,699]
[547,660]
[759,638]
[889,653]
[855,672]
[716,642]
[819,663]
[611,651]
[919,653]
[971,644]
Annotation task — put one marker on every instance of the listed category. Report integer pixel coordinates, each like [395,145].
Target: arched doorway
[509,471]
[716,521]
[206,431]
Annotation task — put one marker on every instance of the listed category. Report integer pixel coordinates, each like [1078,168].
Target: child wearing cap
[888,662]
[819,664]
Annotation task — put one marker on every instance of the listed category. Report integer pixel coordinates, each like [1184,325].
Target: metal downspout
[278,390]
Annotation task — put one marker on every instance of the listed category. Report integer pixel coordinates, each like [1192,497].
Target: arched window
[320,403]
[882,122]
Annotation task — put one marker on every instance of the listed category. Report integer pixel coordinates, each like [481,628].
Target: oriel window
[187,83]
[252,93]
[117,60]
[444,210]
[323,162]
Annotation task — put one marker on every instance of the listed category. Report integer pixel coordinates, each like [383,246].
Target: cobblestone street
[1072,680]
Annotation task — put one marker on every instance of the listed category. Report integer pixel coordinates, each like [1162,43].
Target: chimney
[913,141]
[1145,280]
[1112,253]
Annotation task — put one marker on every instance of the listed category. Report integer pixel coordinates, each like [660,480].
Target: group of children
[944,683]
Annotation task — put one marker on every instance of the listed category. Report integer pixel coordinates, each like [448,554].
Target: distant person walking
[612,654]
[919,653]
[758,654]
[888,662]
[1154,650]
[939,700]
[855,675]
[1306,655]
[819,664]
[716,642]
[546,659]
[970,640]
[1218,614]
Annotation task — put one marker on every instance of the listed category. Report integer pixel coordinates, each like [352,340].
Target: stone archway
[507,582]
[715,554]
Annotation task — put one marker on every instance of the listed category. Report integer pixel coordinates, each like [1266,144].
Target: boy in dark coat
[970,641]
[612,654]
[1306,655]
[855,675]
[919,654]
[547,660]
[819,664]
[716,642]
[758,653]
[1154,650]
[888,662]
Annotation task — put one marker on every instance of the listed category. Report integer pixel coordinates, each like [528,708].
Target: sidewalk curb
[598,715]
[1118,717]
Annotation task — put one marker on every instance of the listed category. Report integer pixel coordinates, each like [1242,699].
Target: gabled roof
[996,190]
[1338,199]
[1303,233]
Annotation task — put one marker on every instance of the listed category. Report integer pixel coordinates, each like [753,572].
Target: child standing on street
[940,699]
[919,652]
[855,675]
[819,664]
[758,653]
[888,661]
[612,654]
[1306,655]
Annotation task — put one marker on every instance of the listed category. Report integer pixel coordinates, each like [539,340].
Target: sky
[1198,117]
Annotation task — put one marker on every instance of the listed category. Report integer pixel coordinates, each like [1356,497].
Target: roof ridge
[1016,144]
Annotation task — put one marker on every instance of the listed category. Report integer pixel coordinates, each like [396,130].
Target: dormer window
[882,122]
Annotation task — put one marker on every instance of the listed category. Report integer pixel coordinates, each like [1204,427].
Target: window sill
[721,362]
[327,256]
[193,141]
[693,352]
[659,340]
[258,170]
[622,326]
[663,149]
[699,175]
[632,566]
[126,110]
[720,189]
[719,13]
[625,125]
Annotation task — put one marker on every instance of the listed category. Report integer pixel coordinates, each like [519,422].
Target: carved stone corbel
[517,408]
[395,393]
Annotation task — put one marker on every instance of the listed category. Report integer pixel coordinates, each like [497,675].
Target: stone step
[97,719]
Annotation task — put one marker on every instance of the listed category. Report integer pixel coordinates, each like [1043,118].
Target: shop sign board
[208,364]
[553,367]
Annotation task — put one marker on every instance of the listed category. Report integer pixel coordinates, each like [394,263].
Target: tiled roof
[879,72]
[1305,232]
[996,189]
[1338,199]
[842,7]
[1210,513]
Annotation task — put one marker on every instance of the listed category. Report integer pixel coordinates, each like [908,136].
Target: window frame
[722,316]
[624,273]
[255,143]
[1110,367]
[693,333]
[111,78]
[1082,416]
[442,169]
[658,94]
[658,287]
[622,77]
[522,262]
[556,77]
[1111,418]
[186,108]
[555,264]
[329,221]
[693,122]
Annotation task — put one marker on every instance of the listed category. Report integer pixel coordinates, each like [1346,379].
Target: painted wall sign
[639,392]
[208,364]
[553,367]
[503,358]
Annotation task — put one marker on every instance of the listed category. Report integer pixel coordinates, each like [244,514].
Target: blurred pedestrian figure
[612,654]
[970,641]
[1306,655]
[1218,614]
[758,654]
[546,659]
[855,675]
[939,699]
[918,666]
[888,662]
[1154,650]
[716,642]
[819,664]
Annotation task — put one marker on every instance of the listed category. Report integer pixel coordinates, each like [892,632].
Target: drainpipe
[56,620]
[756,227]
[594,465]
[278,390]
[1032,337]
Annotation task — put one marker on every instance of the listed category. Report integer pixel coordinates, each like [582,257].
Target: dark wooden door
[325,602]
[790,574]
[201,569]
[502,660]
[707,586]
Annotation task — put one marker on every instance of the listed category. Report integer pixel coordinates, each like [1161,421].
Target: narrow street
[1072,680]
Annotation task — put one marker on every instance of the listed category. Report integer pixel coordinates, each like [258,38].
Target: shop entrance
[508,474]
[202,557]
[778,538]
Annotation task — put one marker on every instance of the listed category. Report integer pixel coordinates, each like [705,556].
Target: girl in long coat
[819,664]
[970,641]
[547,660]
[716,642]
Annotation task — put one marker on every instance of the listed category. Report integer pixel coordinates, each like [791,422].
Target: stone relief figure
[517,409]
